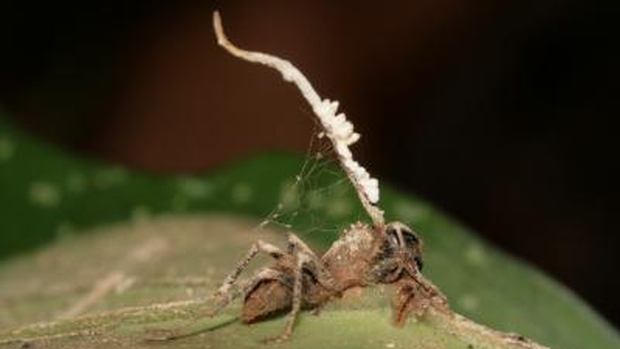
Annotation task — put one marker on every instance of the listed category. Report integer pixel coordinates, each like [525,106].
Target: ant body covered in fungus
[381,253]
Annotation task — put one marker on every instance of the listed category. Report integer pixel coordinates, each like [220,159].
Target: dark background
[500,113]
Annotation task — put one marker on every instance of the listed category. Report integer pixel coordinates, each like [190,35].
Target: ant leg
[296,244]
[297,295]
[297,299]
[385,271]
[257,247]
[229,296]
[416,296]
[224,292]
[313,265]
[433,292]
[404,301]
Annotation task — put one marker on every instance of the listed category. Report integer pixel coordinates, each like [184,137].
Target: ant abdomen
[267,298]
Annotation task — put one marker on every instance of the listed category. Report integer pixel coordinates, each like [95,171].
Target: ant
[299,279]
[364,254]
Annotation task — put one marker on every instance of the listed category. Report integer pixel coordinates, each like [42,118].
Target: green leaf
[92,217]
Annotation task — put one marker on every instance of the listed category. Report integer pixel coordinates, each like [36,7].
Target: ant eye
[411,239]
[418,262]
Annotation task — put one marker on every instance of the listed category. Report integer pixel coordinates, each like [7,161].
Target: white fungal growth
[335,125]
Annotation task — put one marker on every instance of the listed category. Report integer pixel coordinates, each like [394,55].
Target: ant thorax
[349,259]
[366,255]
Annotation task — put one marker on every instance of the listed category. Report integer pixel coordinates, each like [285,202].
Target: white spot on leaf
[44,194]
[140,214]
[195,188]
[65,230]
[241,193]
[76,183]
[124,285]
[180,202]
[339,208]
[410,212]
[469,302]
[315,200]
[475,254]
[109,177]
[7,148]
[289,195]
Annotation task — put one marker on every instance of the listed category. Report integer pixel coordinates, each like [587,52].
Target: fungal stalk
[335,125]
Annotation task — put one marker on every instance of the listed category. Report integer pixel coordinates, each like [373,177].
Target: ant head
[402,239]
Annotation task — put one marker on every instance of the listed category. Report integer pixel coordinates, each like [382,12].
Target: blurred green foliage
[46,193]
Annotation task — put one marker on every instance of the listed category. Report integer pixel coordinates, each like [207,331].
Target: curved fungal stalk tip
[335,125]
